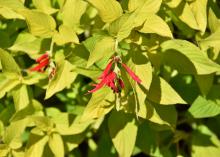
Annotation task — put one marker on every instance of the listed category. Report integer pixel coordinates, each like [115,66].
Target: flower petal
[107,70]
[97,86]
[41,65]
[42,57]
[121,83]
[131,73]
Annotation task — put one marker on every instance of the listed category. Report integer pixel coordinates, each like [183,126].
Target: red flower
[112,79]
[131,73]
[42,61]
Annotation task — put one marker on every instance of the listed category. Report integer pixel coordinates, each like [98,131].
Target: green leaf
[144,6]
[134,4]
[122,27]
[13,132]
[27,43]
[36,146]
[104,47]
[44,6]
[60,80]
[109,10]
[8,13]
[163,115]
[213,21]
[33,108]
[162,93]
[205,143]
[8,63]
[193,14]
[33,78]
[99,105]
[72,11]
[21,97]
[147,139]
[123,131]
[173,3]
[39,23]
[185,14]
[4,150]
[65,35]
[196,57]
[204,82]
[199,8]
[56,145]
[7,84]
[212,41]
[155,24]
[203,108]
[13,4]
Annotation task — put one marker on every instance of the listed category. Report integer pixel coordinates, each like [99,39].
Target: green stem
[50,52]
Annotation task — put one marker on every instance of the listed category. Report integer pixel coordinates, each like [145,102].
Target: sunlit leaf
[109,10]
[121,126]
[58,83]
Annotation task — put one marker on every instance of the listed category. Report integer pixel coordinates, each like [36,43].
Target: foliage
[171,46]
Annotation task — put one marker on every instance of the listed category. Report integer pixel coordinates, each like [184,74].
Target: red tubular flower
[42,61]
[131,73]
[111,78]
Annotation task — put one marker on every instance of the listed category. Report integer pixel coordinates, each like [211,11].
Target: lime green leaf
[7,84]
[8,13]
[202,64]
[155,24]
[123,131]
[73,129]
[56,145]
[186,15]
[36,146]
[109,10]
[8,63]
[39,23]
[122,27]
[99,105]
[33,78]
[72,11]
[213,21]
[173,3]
[145,6]
[62,79]
[211,41]
[13,4]
[30,110]
[44,6]
[193,14]
[199,10]
[204,137]
[202,108]
[4,150]
[104,47]
[21,97]
[43,123]
[65,35]
[27,43]
[162,93]
[134,4]
[12,137]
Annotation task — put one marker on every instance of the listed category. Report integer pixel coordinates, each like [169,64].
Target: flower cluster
[43,62]
[111,76]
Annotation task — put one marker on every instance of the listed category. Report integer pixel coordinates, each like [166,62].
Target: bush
[109,78]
